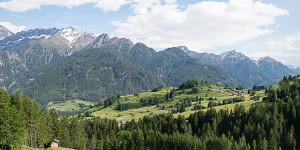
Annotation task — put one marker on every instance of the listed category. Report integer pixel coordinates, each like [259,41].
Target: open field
[71,105]
[111,112]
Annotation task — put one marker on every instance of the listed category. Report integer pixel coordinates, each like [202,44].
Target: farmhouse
[213,90]
[228,91]
[236,93]
[54,143]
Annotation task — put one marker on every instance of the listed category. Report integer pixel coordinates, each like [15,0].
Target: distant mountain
[4,32]
[35,52]
[88,75]
[23,37]
[247,72]
[275,69]
[296,70]
[172,65]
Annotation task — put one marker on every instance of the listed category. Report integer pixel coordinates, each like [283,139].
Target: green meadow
[111,112]
[71,105]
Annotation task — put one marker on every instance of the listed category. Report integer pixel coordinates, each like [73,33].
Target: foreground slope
[88,75]
[271,124]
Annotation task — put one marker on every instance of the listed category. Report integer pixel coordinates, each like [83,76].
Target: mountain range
[57,65]
[62,64]
[246,71]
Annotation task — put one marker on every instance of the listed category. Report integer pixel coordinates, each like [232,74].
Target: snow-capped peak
[233,55]
[4,32]
[267,59]
[70,34]
[184,48]
[291,67]
[255,60]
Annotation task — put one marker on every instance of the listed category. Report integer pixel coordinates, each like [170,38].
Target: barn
[54,143]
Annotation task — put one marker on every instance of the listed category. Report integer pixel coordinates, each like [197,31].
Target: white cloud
[12,28]
[111,5]
[24,5]
[203,25]
[285,50]
[170,1]
[289,44]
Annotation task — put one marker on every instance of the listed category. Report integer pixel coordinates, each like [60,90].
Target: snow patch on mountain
[233,55]
[267,59]
[70,34]
[291,66]
[296,69]
[255,60]
[4,32]
[43,36]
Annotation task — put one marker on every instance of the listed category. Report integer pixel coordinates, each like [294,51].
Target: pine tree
[289,140]
[43,130]
[11,128]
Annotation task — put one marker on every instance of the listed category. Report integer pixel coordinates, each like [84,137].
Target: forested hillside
[172,65]
[271,124]
[88,75]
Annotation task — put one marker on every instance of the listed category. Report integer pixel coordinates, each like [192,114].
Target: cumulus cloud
[111,5]
[285,50]
[24,5]
[12,28]
[289,44]
[202,25]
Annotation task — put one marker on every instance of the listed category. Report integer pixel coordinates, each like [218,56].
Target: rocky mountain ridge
[261,71]
[4,32]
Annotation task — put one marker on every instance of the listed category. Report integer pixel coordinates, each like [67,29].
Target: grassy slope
[71,105]
[276,86]
[112,113]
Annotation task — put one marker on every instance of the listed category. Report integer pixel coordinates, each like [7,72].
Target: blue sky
[254,27]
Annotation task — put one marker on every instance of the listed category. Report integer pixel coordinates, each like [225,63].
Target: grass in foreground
[30,148]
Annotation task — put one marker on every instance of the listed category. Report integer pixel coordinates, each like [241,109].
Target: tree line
[22,122]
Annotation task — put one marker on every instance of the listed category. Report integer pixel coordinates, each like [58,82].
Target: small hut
[54,143]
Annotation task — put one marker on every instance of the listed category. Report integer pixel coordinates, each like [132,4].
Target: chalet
[228,91]
[54,143]
[213,90]
[236,93]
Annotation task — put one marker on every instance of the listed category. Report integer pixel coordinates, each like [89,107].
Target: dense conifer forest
[271,124]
